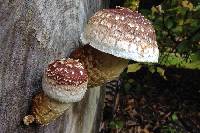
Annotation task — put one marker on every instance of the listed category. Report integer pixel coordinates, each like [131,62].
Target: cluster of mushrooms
[111,38]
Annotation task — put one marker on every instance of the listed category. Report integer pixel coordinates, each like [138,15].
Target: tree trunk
[32,33]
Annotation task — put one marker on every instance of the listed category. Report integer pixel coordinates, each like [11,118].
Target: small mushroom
[115,36]
[64,81]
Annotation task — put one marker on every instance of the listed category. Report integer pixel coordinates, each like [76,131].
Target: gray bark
[32,33]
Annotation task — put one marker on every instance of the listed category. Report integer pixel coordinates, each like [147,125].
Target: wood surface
[32,33]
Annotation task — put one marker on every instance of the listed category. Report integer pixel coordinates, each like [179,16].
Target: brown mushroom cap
[65,80]
[123,33]
[67,72]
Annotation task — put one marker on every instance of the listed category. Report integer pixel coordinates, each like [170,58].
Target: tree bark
[32,33]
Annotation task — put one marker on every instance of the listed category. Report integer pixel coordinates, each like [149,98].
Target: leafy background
[162,97]
[177,25]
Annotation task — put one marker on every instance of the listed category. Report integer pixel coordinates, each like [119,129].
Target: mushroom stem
[101,67]
[45,109]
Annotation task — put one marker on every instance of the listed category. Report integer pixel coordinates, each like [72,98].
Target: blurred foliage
[132,4]
[133,67]
[141,4]
[177,25]
[174,117]
[116,124]
[168,129]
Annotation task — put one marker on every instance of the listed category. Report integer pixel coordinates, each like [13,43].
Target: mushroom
[45,109]
[101,67]
[64,81]
[114,37]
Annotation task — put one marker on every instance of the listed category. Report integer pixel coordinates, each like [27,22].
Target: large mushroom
[64,81]
[114,37]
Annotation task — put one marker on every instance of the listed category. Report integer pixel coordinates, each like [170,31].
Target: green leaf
[174,117]
[196,38]
[192,22]
[195,56]
[178,29]
[173,2]
[133,67]
[194,61]
[181,11]
[116,124]
[196,8]
[151,69]
[172,59]
[169,23]
[180,21]
[132,4]
[183,47]
[161,71]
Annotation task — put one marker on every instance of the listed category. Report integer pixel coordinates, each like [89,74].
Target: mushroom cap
[65,80]
[123,33]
